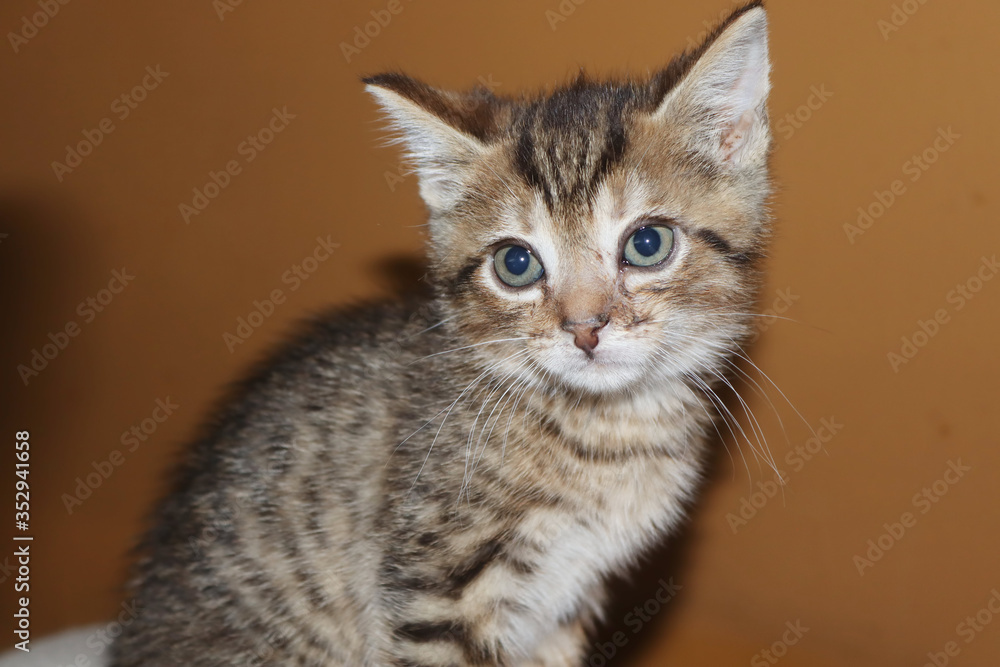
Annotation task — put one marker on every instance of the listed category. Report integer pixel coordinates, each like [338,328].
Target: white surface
[83,647]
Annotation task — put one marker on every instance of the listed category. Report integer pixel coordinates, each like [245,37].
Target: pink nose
[585,333]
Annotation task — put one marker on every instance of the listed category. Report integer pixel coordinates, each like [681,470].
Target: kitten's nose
[585,333]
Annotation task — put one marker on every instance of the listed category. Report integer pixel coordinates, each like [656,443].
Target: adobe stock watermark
[131,440]
[792,635]
[958,297]
[923,501]
[394,178]
[796,459]
[562,12]
[793,121]
[293,277]
[900,16]
[101,640]
[709,26]
[248,149]
[914,168]
[968,629]
[7,570]
[223,7]
[88,309]
[362,35]
[635,620]
[783,301]
[122,107]
[31,24]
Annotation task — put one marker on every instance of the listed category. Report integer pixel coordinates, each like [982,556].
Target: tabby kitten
[450,482]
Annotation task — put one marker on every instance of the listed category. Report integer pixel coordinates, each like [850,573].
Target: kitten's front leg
[564,648]
[475,643]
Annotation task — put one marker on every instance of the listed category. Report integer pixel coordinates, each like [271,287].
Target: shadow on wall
[45,255]
[48,257]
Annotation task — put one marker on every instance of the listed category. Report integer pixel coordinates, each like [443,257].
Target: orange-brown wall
[853,297]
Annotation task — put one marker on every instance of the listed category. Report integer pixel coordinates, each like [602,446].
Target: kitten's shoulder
[343,361]
[366,338]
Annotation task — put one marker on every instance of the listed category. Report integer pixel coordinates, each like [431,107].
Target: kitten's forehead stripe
[566,143]
[526,165]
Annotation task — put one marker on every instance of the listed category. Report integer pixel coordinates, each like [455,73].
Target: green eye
[516,266]
[649,246]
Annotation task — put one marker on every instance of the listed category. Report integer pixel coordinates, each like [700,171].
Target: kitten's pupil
[517,260]
[647,242]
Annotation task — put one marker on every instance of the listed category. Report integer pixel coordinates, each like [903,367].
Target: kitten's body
[450,482]
[348,548]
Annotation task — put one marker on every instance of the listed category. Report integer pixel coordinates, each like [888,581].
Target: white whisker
[469,347]
[452,406]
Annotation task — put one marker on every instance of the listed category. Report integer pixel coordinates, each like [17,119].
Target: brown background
[327,175]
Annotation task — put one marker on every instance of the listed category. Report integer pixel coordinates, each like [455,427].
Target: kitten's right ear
[444,132]
[722,98]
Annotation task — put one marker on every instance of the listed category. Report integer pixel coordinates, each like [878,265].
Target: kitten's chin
[605,373]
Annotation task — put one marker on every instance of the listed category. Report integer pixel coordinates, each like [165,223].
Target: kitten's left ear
[444,132]
[722,98]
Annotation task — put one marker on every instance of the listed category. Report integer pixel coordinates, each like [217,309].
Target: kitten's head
[612,229]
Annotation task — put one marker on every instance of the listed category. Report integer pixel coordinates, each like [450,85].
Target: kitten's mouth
[597,357]
[599,372]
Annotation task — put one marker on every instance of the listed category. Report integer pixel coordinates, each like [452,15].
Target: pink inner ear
[735,138]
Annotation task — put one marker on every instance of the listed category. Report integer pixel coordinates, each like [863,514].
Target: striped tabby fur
[449,482]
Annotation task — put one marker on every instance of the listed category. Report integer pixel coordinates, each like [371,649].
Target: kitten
[450,482]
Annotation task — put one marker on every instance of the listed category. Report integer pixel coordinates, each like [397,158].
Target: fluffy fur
[449,482]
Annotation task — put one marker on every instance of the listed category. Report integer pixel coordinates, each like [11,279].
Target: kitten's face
[604,237]
[661,308]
